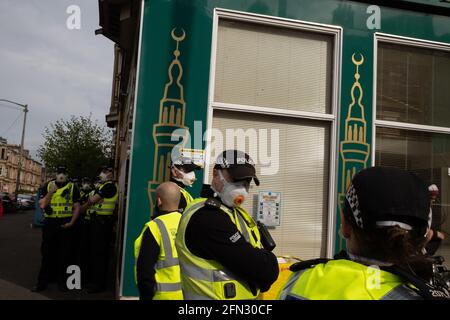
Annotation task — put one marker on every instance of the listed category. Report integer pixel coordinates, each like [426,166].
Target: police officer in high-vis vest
[87,190]
[182,172]
[157,267]
[101,208]
[61,207]
[218,242]
[385,218]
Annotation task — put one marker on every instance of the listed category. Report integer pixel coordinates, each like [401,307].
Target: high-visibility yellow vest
[345,280]
[89,211]
[203,279]
[107,206]
[61,202]
[187,197]
[164,229]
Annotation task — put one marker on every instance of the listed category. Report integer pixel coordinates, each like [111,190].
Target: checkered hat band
[352,199]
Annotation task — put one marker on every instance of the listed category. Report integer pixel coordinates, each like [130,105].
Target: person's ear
[174,172]
[215,182]
[346,229]
[158,202]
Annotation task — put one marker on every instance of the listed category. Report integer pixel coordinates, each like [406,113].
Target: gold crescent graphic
[180,38]
[360,62]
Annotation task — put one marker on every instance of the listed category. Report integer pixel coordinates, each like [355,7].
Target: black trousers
[101,229]
[76,242]
[56,251]
[85,262]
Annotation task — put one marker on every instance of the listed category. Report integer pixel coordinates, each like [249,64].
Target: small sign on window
[269,208]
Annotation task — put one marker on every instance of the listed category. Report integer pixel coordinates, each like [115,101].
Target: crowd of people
[77,229]
[210,248]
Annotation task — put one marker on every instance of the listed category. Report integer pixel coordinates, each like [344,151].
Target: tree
[81,144]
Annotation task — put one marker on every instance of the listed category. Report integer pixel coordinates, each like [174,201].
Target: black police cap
[186,164]
[107,168]
[239,165]
[384,196]
[61,169]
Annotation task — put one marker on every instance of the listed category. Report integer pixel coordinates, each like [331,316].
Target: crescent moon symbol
[360,62]
[180,38]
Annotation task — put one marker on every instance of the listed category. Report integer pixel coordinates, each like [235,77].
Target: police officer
[157,268]
[87,190]
[384,220]
[182,172]
[218,243]
[101,206]
[61,207]
[77,243]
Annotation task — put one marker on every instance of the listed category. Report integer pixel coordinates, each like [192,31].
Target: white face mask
[187,179]
[85,186]
[233,193]
[103,176]
[61,178]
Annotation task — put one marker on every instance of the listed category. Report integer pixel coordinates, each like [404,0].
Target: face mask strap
[183,179]
[225,182]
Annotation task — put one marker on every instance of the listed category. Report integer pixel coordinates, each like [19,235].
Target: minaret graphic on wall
[354,148]
[172,112]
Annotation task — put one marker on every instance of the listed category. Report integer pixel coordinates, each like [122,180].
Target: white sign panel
[197,156]
[269,208]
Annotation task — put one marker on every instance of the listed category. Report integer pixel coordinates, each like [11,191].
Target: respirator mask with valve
[187,179]
[61,178]
[103,176]
[233,193]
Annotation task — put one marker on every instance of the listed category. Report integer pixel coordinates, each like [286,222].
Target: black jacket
[211,235]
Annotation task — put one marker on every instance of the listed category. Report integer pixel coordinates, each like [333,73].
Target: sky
[58,72]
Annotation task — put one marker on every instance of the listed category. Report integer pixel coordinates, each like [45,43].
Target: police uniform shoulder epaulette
[212,203]
[302,265]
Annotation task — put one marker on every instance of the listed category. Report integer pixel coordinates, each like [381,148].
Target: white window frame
[411,42]
[331,118]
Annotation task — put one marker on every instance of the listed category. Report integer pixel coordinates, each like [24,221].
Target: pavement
[20,260]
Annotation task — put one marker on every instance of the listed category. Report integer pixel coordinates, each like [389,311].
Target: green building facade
[337,85]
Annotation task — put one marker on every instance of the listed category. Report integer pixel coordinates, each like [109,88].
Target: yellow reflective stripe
[161,264]
[104,213]
[104,209]
[205,274]
[58,215]
[401,292]
[169,260]
[168,287]
[189,295]
[201,278]
[287,290]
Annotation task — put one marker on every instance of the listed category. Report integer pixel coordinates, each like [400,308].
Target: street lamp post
[25,111]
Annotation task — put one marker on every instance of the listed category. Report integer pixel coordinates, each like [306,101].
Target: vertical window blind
[273,67]
[302,176]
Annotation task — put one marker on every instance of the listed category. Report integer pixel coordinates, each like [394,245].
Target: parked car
[9,204]
[26,201]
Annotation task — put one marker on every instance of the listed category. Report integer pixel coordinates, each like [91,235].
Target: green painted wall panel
[195,18]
